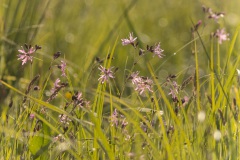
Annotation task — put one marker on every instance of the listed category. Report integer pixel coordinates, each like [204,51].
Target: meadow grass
[121,91]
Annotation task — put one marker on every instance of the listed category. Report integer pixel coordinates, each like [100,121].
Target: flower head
[105,74]
[129,41]
[62,66]
[56,85]
[141,83]
[158,51]
[24,55]
[135,78]
[221,35]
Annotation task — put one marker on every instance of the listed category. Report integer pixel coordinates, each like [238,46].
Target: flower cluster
[220,34]
[213,15]
[78,100]
[141,83]
[57,87]
[156,50]
[117,119]
[174,91]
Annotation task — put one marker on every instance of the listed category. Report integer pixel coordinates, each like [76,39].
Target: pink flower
[141,83]
[158,51]
[56,85]
[105,74]
[135,78]
[25,56]
[63,68]
[129,41]
[221,35]
[144,84]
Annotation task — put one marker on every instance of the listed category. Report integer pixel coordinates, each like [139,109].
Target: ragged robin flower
[105,74]
[221,35]
[158,51]
[141,83]
[62,66]
[26,55]
[131,40]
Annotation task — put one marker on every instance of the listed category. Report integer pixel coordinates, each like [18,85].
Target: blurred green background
[85,29]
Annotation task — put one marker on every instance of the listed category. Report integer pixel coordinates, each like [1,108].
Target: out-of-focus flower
[56,85]
[144,84]
[114,118]
[78,99]
[141,83]
[221,35]
[213,15]
[135,78]
[105,74]
[216,16]
[62,66]
[31,116]
[131,40]
[64,119]
[26,55]
[158,51]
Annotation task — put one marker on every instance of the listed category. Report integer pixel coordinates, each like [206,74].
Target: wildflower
[124,123]
[158,51]
[196,26]
[77,98]
[25,56]
[105,74]
[56,89]
[141,83]
[135,78]
[216,16]
[129,41]
[174,91]
[56,85]
[114,118]
[144,84]
[213,15]
[63,68]
[64,119]
[31,116]
[221,35]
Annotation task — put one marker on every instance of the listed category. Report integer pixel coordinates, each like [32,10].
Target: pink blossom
[221,35]
[63,68]
[129,41]
[158,51]
[56,85]
[25,56]
[105,74]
